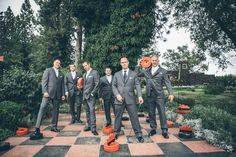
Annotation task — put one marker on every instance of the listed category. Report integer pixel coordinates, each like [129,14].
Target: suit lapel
[121,75]
[54,72]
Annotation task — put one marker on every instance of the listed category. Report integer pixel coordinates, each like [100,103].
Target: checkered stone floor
[72,141]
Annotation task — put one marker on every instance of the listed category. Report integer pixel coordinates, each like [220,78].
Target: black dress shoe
[55,129]
[87,128]
[140,139]
[116,136]
[152,132]
[108,124]
[72,121]
[36,135]
[165,135]
[80,121]
[95,132]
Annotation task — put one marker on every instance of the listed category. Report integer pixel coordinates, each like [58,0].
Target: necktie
[125,75]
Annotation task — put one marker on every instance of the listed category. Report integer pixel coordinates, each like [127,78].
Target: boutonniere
[61,76]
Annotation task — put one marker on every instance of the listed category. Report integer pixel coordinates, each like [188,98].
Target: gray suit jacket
[53,85]
[159,78]
[71,84]
[126,88]
[91,84]
[105,88]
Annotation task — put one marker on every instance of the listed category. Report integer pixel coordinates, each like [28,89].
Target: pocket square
[90,76]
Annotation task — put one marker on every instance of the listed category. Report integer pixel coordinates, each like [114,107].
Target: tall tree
[194,59]
[118,28]
[25,29]
[9,40]
[211,24]
[56,31]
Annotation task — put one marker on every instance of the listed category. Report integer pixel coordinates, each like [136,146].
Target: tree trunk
[78,47]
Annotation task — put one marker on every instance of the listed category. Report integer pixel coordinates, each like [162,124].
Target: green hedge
[226,103]
[21,86]
[5,133]
[11,115]
[216,119]
[214,89]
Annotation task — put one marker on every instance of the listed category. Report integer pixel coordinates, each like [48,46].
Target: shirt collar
[127,71]
[55,69]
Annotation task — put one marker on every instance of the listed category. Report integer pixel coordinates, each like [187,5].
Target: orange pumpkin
[185,128]
[145,62]
[22,131]
[80,83]
[183,109]
[108,130]
[170,124]
[111,145]
[185,132]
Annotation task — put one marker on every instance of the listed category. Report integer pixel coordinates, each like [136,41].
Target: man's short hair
[56,58]
[154,55]
[72,65]
[85,61]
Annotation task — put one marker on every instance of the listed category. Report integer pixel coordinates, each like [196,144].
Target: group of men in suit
[116,91]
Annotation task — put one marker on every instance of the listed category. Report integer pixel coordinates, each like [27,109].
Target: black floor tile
[123,152]
[68,133]
[88,140]
[176,150]
[53,151]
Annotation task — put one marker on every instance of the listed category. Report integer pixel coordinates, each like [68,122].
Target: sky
[174,39]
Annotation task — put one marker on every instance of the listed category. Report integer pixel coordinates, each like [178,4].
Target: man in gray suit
[74,93]
[90,89]
[123,85]
[156,78]
[53,90]
[105,94]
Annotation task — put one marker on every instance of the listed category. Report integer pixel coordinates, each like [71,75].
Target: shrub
[217,120]
[10,114]
[23,87]
[4,133]
[214,89]
[226,103]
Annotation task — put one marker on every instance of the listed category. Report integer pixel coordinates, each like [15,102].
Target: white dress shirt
[73,73]
[56,71]
[109,78]
[154,69]
[88,72]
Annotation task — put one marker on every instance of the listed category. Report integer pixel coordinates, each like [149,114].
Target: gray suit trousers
[107,106]
[55,111]
[132,111]
[153,104]
[90,112]
[78,100]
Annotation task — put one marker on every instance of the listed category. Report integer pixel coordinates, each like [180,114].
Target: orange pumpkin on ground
[170,124]
[111,145]
[183,109]
[108,130]
[22,131]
